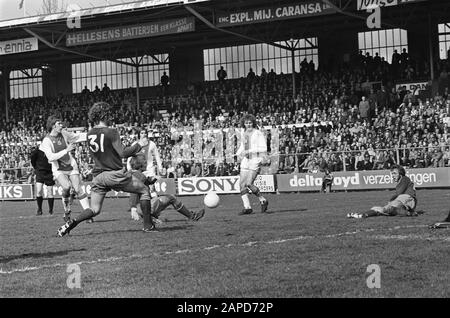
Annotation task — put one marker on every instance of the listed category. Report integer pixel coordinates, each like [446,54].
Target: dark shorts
[45,178]
[111,180]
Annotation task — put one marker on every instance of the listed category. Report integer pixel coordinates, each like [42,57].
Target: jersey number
[93,145]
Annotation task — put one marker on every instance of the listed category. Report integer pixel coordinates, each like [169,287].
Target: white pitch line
[247,244]
[409,237]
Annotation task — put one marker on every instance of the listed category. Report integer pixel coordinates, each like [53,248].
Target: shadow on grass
[8,258]
[159,230]
[285,210]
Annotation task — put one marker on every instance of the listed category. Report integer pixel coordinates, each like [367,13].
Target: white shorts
[403,200]
[251,164]
[66,173]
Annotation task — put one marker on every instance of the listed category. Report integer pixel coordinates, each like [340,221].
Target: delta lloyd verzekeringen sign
[129,32]
[273,13]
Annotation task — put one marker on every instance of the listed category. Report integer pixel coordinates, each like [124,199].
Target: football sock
[84,201]
[255,190]
[85,215]
[147,213]
[66,204]
[246,201]
[370,213]
[39,202]
[183,210]
[51,202]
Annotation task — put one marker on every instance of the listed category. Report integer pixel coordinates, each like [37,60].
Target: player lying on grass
[138,165]
[402,203]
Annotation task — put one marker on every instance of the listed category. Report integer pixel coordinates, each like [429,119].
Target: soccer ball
[211,200]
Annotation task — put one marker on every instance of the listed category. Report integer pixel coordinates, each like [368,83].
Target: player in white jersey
[253,150]
[151,155]
[57,146]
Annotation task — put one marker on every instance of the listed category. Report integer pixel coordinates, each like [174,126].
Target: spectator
[366,164]
[364,108]
[164,80]
[251,75]
[221,74]
[105,89]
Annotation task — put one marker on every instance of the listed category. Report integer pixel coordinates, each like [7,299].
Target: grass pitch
[306,247]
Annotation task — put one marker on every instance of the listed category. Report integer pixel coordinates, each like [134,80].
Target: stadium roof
[97,11]
[52,30]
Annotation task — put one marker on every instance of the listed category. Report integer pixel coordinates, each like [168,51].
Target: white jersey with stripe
[54,148]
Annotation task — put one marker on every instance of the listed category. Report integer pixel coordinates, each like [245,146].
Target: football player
[57,146]
[402,203]
[107,150]
[253,150]
[138,164]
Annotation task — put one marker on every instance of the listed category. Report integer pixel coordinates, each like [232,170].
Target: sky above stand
[9,9]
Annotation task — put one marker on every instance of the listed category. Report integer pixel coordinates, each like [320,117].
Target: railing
[280,163]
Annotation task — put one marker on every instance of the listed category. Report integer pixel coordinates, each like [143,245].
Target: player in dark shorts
[138,164]
[109,173]
[44,176]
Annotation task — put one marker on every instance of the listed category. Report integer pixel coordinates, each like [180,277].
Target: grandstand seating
[400,127]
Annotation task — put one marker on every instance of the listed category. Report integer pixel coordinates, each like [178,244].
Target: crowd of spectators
[351,118]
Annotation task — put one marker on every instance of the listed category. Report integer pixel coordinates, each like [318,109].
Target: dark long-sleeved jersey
[106,149]
[40,162]
[405,186]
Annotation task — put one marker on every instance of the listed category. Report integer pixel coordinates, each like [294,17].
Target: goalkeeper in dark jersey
[402,203]
[107,150]
[160,203]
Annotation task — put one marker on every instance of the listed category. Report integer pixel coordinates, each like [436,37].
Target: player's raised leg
[255,190]
[245,191]
[160,203]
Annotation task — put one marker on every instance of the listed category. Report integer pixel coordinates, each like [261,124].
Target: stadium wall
[299,182]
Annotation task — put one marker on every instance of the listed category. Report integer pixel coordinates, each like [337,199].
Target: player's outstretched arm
[127,151]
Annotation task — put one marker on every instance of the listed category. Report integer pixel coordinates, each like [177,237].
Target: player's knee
[171,198]
[66,192]
[244,190]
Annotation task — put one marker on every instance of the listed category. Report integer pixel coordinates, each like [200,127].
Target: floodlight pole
[430,45]
[293,68]
[137,87]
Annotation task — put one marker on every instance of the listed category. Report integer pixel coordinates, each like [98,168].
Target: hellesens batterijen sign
[129,32]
